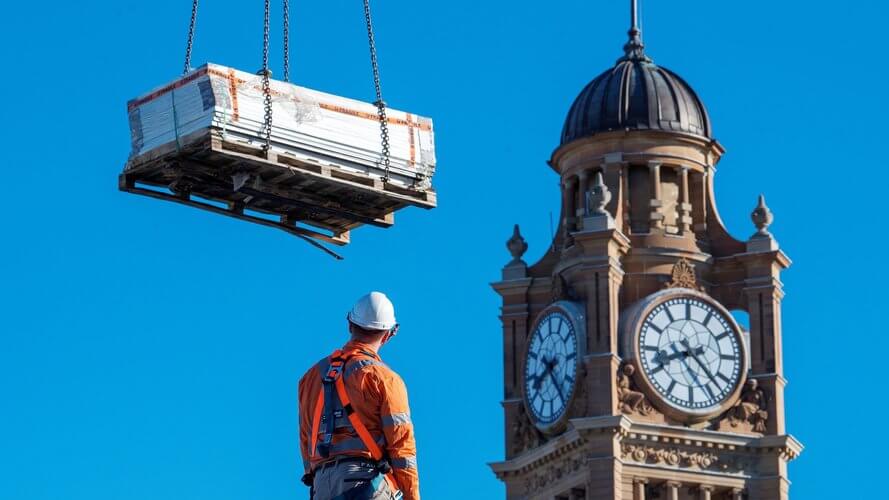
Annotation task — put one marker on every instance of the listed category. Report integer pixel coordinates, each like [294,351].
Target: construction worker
[355,430]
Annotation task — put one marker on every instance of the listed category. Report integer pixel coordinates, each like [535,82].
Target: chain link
[286,40]
[190,43]
[266,83]
[380,103]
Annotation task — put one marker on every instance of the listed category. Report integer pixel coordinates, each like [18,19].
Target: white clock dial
[551,367]
[691,354]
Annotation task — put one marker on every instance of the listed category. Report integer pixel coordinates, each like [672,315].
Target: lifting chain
[266,84]
[380,104]
[190,43]
[286,40]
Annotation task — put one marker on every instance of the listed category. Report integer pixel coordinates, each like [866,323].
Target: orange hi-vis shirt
[379,399]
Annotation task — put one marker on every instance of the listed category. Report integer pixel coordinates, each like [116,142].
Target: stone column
[657,214]
[625,196]
[569,197]
[699,205]
[737,494]
[705,492]
[639,485]
[685,219]
[583,187]
[672,489]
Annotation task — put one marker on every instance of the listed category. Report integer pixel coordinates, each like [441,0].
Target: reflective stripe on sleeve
[357,365]
[404,462]
[396,419]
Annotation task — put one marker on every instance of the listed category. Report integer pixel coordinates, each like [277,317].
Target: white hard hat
[374,311]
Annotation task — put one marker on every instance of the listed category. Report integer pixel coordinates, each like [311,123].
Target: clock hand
[684,362]
[556,383]
[663,358]
[547,367]
[694,354]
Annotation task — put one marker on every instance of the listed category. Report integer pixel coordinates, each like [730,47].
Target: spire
[634,50]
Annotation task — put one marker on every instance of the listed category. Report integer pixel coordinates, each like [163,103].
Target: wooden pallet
[310,200]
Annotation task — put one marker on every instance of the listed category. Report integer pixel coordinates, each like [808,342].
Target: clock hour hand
[663,358]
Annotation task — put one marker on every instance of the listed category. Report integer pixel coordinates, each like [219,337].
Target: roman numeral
[709,315]
[669,314]
[691,394]
[688,310]
[659,368]
[650,348]
[672,385]
[651,325]
[723,377]
[532,354]
[728,356]
[723,335]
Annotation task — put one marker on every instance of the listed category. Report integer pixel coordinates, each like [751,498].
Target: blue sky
[152,351]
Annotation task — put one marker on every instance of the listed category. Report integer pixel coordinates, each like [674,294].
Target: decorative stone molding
[683,276]
[516,245]
[553,473]
[676,457]
[762,217]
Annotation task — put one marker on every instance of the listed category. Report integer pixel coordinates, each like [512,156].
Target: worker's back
[377,396]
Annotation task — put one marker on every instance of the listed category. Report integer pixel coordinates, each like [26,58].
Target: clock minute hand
[684,362]
[556,384]
[694,356]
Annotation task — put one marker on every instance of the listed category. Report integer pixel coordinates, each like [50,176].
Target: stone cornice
[773,255]
[645,444]
[561,445]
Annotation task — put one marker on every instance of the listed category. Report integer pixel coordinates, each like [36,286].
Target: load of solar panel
[200,141]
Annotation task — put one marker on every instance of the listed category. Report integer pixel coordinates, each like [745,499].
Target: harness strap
[316,422]
[360,429]
[325,405]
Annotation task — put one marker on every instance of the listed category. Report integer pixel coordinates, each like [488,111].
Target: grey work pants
[352,481]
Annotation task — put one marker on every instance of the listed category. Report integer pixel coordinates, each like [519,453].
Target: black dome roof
[636,94]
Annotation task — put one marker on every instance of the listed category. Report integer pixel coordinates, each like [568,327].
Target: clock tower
[626,374]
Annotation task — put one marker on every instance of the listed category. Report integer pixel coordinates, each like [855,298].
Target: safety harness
[333,410]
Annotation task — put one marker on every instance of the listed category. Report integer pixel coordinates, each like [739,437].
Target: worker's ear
[388,335]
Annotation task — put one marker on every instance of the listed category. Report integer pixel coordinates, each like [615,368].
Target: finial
[599,196]
[762,217]
[516,245]
[634,50]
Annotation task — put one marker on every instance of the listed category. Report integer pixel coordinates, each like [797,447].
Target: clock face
[691,354]
[551,367]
